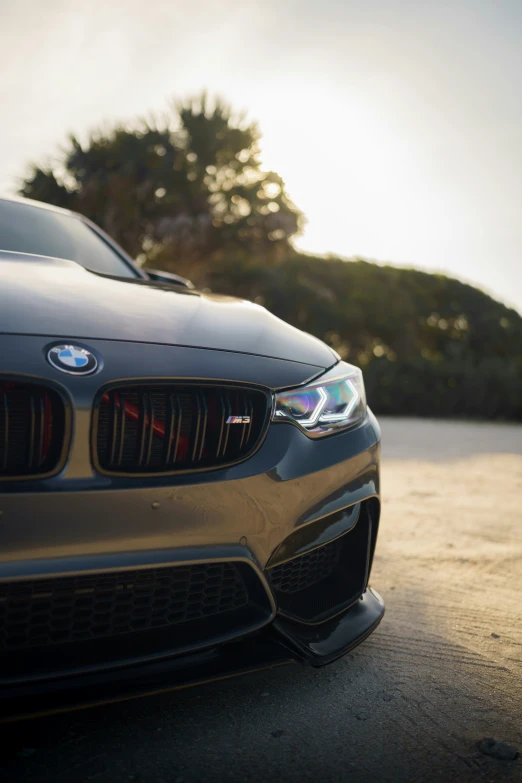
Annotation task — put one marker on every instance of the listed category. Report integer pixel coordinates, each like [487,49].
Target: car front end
[183,504]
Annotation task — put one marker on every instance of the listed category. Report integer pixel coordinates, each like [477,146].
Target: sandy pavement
[443,670]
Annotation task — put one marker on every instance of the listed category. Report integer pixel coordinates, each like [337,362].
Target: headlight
[333,402]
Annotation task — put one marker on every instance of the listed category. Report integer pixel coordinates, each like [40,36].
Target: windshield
[43,232]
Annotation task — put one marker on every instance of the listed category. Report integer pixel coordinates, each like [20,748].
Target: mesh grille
[306,570]
[32,427]
[80,608]
[318,584]
[166,428]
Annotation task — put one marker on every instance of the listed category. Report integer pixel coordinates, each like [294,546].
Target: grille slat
[122,429]
[204,423]
[39,436]
[164,428]
[222,419]
[227,414]
[243,429]
[143,426]
[251,420]
[30,457]
[80,608]
[5,412]
[178,428]
[169,431]
[32,429]
[196,450]
[114,430]
[149,427]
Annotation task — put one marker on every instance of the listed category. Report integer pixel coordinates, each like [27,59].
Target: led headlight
[333,402]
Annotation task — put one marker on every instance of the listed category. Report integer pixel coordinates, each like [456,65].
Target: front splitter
[280,644]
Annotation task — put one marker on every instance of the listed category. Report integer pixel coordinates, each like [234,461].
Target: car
[189,486]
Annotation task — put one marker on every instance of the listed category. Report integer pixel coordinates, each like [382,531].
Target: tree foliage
[190,187]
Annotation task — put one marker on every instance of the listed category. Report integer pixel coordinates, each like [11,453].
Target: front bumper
[293,496]
[277,646]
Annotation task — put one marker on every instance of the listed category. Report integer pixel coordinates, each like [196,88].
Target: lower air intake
[74,623]
[306,570]
[165,428]
[82,608]
[316,585]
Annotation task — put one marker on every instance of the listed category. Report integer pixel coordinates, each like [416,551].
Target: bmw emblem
[72,359]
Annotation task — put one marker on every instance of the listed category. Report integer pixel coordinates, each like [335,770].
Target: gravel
[498,749]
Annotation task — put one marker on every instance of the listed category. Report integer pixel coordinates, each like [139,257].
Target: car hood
[59,298]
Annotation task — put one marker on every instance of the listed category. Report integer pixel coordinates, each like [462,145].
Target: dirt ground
[443,671]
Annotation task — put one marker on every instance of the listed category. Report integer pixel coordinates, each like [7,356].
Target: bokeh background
[271,150]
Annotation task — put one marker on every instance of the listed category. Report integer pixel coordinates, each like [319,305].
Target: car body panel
[41,295]
[89,523]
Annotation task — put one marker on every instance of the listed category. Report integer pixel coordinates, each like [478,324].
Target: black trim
[147,382]
[151,678]
[316,533]
[279,644]
[319,645]
[324,581]
[36,662]
[67,429]
[109,241]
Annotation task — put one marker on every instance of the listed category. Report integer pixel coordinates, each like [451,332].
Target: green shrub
[429,345]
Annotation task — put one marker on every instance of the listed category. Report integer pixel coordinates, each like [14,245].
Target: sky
[396,124]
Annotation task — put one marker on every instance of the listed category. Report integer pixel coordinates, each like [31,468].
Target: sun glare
[356,183]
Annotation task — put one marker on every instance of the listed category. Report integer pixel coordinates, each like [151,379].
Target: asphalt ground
[412,703]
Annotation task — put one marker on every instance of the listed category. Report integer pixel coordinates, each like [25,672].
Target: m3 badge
[238,420]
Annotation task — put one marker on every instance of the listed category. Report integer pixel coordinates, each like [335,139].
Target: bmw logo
[72,359]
